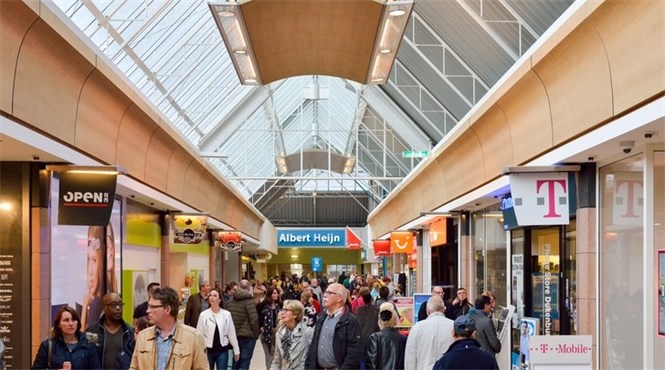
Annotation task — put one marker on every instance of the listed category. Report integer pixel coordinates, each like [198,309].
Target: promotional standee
[559,352]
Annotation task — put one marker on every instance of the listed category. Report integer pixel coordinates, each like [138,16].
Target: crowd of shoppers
[345,323]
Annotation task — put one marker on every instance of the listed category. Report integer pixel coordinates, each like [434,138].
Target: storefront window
[489,242]
[621,264]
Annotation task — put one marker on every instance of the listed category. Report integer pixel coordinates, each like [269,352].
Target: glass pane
[545,244]
[621,267]
[517,284]
[478,235]
[570,280]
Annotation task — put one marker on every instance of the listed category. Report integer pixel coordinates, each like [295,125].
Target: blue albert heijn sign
[314,238]
[317,264]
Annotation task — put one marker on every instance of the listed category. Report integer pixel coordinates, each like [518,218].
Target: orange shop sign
[402,242]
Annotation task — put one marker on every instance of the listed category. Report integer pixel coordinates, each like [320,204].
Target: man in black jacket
[336,339]
[460,306]
[465,352]
[112,337]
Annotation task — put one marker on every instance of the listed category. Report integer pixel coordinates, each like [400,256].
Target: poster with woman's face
[78,257]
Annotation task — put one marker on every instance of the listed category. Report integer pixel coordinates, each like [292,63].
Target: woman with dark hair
[68,348]
[386,348]
[268,311]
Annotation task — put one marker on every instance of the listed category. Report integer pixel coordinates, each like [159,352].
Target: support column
[425,264]
[165,253]
[586,254]
[466,258]
[40,260]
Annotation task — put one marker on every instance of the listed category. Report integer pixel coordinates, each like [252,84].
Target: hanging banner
[628,199]
[317,264]
[381,248]
[352,240]
[230,241]
[540,198]
[189,229]
[402,242]
[86,198]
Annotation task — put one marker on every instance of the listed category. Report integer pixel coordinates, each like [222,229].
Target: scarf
[287,338]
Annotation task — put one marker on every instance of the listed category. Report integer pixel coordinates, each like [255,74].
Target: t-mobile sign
[541,198]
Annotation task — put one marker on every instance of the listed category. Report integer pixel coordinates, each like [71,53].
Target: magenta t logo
[551,195]
[632,187]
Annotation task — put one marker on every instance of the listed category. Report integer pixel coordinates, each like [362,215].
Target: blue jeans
[246,352]
[221,359]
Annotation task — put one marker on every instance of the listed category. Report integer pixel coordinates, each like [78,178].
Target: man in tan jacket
[168,344]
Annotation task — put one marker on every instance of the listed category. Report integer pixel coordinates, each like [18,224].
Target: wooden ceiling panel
[316,37]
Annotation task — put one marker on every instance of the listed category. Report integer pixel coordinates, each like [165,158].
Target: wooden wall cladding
[493,133]
[193,177]
[15,19]
[158,159]
[526,109]
[175,181]
[427,188]
[578,83]
[634,50]
[99,117]
[47,98]
[136,131]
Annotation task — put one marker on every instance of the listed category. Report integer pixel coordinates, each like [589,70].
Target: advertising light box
[313,238]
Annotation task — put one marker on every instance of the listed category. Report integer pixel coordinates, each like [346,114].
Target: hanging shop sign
[352,240]
[402,242]
[189,229]
[381,248]
[317,264]
[540,198]
[230,241]
[313,238]
[86,198]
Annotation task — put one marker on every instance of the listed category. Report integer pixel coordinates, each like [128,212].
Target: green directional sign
[415,153]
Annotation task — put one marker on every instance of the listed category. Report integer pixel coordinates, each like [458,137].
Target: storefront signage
[317,264]
[314,238]
[381,248]
[352,240]
[540,198]
[402,242]
[627,206]
[560,352]
[86,198]
[189,229]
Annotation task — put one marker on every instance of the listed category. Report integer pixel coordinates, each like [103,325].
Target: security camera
[649,134]
[626,145]
[35,157]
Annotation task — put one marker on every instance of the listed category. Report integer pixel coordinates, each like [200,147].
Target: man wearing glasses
[438,291]
[112,337]
[168,344]
[336,339]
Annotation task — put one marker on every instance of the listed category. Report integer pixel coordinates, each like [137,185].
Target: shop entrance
[543,284]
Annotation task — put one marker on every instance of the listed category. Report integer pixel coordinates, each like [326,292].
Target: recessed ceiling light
[226,13]
[377,79]
[397,12]
[250,81]
[386,51]
[240,51]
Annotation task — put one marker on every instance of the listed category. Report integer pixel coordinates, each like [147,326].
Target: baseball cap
[464,326]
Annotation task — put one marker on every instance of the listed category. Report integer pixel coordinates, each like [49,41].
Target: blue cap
[464,326]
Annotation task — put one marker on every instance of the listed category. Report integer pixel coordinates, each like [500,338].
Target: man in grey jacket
[246,322]
[485,331]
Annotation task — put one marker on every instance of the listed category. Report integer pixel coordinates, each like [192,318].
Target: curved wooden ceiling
[318,37]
